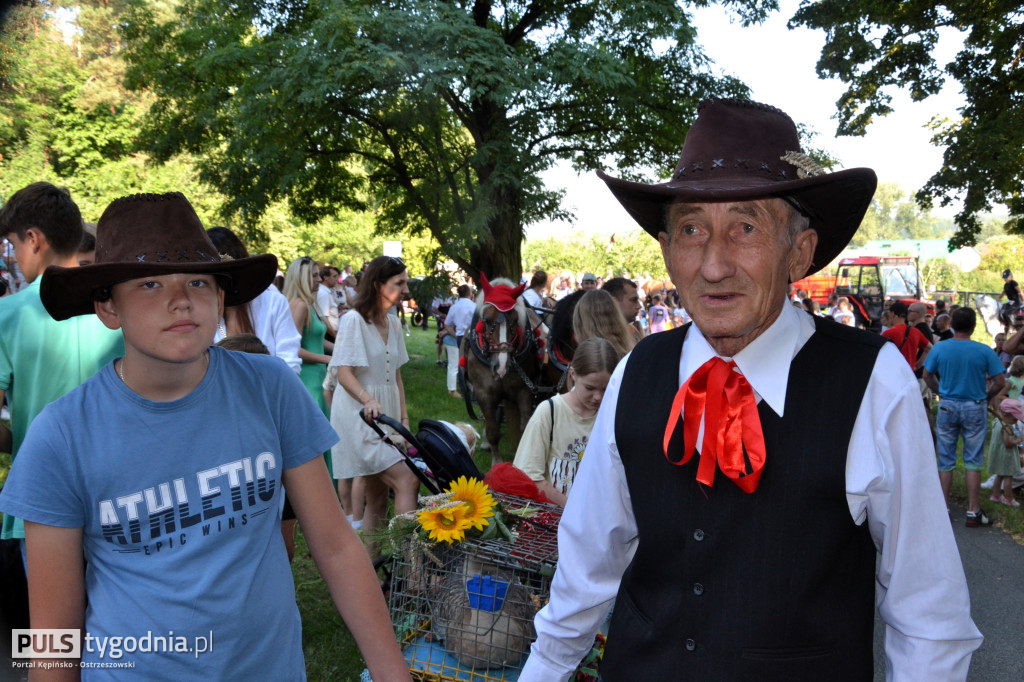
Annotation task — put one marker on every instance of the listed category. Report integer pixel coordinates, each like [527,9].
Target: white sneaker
[987,485]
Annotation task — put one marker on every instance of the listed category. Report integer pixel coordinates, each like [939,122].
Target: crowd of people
[176,407]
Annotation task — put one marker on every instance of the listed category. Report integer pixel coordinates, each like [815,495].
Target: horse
[997,318]
[656,286]
[501,360]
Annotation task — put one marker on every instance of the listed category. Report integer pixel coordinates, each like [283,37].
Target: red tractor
[866,281]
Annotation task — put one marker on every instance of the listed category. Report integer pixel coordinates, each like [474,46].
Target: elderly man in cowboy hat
[735,518]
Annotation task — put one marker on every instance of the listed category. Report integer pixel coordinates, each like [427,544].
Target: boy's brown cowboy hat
[738,150]
[146,235]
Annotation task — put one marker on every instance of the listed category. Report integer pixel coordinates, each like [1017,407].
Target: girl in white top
[556,436]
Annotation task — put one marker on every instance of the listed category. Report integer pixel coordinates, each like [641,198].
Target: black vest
[725,585]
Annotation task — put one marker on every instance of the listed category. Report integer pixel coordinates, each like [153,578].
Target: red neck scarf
[731,424]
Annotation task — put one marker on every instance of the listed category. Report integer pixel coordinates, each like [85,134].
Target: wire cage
[465,611]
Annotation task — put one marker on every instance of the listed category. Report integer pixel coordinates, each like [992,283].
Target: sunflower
[475,495]
[445,523]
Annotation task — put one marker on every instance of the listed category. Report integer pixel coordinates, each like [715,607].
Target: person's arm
[552,493]
[449,323]
[341,559]
[532,453]
[1015,344]
[892,485]
[1002,395]
[401,398]
[56,587]
[995,384]
[300,313]
[6,437]
[923,354]
[932,380]
[348,381]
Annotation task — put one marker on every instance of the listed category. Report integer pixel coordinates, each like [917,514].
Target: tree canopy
[438,116]
[876,45]
[66,117]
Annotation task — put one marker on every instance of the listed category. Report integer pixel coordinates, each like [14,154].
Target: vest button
[698,535]
[691,645]
[698,589]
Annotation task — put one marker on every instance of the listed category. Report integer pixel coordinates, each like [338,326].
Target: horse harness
[480,338]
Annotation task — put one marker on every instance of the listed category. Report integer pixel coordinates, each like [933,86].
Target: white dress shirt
[273,324]
[891,483]
[325,300]
[460,315]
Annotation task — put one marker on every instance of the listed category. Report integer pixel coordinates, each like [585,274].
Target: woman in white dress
[368,353]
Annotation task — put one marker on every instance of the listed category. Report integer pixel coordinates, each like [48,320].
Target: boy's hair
[47,208]
[964,320]
[244,343]
[1017,366]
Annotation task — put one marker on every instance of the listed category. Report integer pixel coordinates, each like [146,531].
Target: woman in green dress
[300,284]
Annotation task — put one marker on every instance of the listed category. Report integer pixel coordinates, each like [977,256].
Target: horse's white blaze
[503,356]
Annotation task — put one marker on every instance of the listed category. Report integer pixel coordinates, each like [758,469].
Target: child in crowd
[466,434]
[658,315]
[174,504]
[1015,381]
[1004,452]
[556,435]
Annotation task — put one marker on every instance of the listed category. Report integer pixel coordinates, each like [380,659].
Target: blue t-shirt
[963,366]
[180,505]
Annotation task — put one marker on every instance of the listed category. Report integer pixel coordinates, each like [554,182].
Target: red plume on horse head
[501,296]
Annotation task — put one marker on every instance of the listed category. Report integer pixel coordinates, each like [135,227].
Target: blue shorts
[965,418]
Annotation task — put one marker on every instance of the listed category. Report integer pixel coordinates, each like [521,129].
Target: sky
[897,147]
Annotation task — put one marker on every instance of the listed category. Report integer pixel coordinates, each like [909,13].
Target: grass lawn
[331,653]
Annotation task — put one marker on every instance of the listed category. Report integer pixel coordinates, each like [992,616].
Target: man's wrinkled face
[916,313]
[732,263]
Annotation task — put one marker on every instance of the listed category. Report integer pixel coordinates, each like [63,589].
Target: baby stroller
[444,453]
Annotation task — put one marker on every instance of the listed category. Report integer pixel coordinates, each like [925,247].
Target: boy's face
[167,318]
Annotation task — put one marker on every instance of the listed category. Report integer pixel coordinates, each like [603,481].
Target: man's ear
[802,254]
[107,313]
[220,303]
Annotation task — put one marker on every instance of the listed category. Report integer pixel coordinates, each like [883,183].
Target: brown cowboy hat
[738,150]
[146,235]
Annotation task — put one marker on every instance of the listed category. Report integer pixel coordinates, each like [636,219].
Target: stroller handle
[400,429]
[411,439]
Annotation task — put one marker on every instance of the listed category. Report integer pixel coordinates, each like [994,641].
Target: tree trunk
[499,254]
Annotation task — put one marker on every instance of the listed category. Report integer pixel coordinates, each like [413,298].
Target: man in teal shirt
[42,359]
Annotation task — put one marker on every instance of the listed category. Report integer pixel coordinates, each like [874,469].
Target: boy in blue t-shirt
[175,504]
